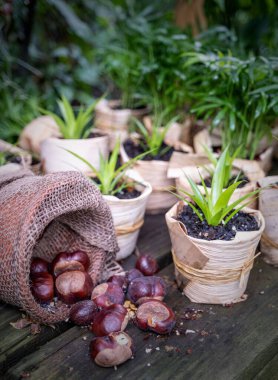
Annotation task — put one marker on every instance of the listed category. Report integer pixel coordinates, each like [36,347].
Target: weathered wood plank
[270,371]
[236,342]
[15,344]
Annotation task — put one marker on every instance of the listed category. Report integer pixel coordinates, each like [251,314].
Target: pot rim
[240,235]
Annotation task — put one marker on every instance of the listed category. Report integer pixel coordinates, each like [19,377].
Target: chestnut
[155,316]
[107,294]
[66,261]
[42,287]
[147,265]
[132,274]
[119,279]
[112,319]
[111,350]
[73,286]
[38,265]
[145,288]
[83,312]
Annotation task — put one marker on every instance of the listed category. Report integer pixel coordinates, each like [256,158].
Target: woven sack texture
[41,216]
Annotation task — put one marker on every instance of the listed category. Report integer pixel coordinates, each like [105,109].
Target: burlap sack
[41,216]
[268,205]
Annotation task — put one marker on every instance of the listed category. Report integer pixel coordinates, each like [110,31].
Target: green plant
[110,179]
[228,164]
[153,138]
[214,206]
[71,126]
[237,96]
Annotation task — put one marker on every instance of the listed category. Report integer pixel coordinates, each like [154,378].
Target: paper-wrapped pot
[216,271]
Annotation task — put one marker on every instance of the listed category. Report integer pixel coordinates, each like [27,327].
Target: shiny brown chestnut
[66,261]
[42,287]
[111,350]
[119,279]
[155,316]
[132,274]
[144,288]
[112,319]
[73,286]
[83,312]
[147,265]
[107,294]
[38,265]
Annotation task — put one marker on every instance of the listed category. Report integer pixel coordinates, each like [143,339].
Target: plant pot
[217,271]
[268,205]
[128,217]
[23,158]
[36,131]
[55,158]
[182,184]
[115,122]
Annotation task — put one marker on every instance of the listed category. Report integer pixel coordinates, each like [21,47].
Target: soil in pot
[119,107]
[244,180]
[12,158]
[128,193]
[201,230]
[132,149]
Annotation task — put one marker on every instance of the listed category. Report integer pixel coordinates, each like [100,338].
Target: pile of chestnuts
[102,308]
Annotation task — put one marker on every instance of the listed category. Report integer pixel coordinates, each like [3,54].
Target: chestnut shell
[112,319]
[147,265]
[73,286]
[83,312]
[38,265]
[145,288]
[107,294]
[66,261]
[42,287]
[155,316]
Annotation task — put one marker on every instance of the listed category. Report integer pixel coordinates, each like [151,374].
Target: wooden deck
[209,342]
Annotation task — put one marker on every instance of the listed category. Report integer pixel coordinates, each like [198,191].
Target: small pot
[128,217]
[115,122]
[268,205]
[55,158]
[182,184]
[217,271]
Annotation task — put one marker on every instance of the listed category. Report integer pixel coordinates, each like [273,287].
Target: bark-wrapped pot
[114,120]
[155,172]
[41,216]
[128,217]
[36,131]
[268,205]
[216,271]
[22,158]
[55,158]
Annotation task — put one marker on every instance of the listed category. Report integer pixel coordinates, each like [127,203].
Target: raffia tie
[128,229]
[266,239]
[209,276]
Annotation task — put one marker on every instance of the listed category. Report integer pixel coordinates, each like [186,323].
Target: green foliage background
[49,47]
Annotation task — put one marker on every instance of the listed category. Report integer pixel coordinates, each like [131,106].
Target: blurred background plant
[125,48]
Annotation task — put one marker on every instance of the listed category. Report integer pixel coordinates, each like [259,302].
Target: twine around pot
[41,216]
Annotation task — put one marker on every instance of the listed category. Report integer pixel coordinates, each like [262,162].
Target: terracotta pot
[128,217]
[216,271]
[268,205]
[55,158]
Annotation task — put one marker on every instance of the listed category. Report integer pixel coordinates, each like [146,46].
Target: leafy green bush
[238,96]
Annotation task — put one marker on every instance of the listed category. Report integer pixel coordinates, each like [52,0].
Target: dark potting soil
[128,193]
[244,180]
[94,135]
[132,149]
[201,230]
[12,158]
[135,108]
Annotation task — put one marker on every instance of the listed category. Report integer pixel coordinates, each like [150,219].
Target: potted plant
[232,174]
[13,158]
[214,242]
[268,206]
[76,135]
[238,98]
[126,197]
[153,166]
